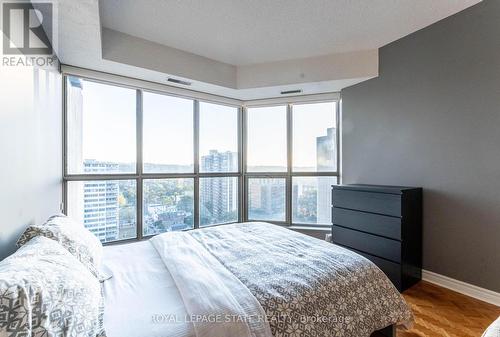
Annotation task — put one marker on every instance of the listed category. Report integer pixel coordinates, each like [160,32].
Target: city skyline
[111,216]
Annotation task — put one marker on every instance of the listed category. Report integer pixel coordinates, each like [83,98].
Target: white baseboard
[462,287]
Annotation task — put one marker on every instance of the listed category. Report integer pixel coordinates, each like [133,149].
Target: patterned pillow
[44,291]
[78,240]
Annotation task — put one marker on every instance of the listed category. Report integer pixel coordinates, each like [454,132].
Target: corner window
[139,163]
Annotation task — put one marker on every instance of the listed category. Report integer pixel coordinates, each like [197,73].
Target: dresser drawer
[368,243]
[368,222]
[381,203]
[391,269]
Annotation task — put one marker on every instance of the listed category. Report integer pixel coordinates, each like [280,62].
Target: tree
[185,204]
[306,205]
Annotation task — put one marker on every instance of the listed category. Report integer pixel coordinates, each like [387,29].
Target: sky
[109,128]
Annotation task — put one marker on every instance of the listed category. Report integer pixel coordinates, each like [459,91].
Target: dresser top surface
[375,188]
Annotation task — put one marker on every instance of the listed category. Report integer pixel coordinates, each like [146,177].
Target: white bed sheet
[141,298]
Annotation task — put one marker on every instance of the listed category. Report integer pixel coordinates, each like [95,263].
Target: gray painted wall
[432,119]
[30,150]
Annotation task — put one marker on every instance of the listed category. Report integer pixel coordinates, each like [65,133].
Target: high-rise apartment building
[266,198]
[325,151]
[325,161]
[216,161]
[219,195]
[100,202]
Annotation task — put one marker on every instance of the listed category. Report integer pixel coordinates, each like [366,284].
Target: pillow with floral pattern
[45,291]
[73,236]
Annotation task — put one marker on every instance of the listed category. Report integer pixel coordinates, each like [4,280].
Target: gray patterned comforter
[307,287]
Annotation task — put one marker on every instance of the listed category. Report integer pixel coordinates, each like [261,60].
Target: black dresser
[384,224]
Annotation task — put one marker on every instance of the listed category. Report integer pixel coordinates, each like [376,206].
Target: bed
[493,330]
[248,279]
[238,280]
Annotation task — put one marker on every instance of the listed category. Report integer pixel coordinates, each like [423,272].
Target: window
[266,199]
[292,162]
[168,205]
[266,140]
[181,156]
[218,200]
[314,138]
[101,125]
[218,138]
[106,207]
[168,134]
[139,163]
[311,199]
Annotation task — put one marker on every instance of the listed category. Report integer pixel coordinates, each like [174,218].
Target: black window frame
[242,174]
[289,174]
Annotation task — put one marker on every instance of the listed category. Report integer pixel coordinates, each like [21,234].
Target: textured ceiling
[242,32]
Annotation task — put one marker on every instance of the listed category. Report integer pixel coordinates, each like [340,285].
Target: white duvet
[144,298]
[141,294]
[218,304]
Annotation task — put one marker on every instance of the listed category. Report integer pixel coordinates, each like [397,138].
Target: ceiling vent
[177,81]
[288,92]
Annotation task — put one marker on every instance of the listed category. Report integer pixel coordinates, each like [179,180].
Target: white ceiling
[241,32]
[243,49]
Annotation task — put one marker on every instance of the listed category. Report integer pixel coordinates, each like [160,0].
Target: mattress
[141,294]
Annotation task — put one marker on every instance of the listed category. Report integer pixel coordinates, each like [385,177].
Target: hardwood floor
[440,312]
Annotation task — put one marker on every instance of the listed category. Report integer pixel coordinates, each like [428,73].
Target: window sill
[310,228]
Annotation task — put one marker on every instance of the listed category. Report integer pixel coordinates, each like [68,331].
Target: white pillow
[73,236]
[45,291]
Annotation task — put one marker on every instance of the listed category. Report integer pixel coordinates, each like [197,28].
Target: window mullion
[243,165]
[139,164]
[64,145]
[196,144]
[338,114]
[288,196]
